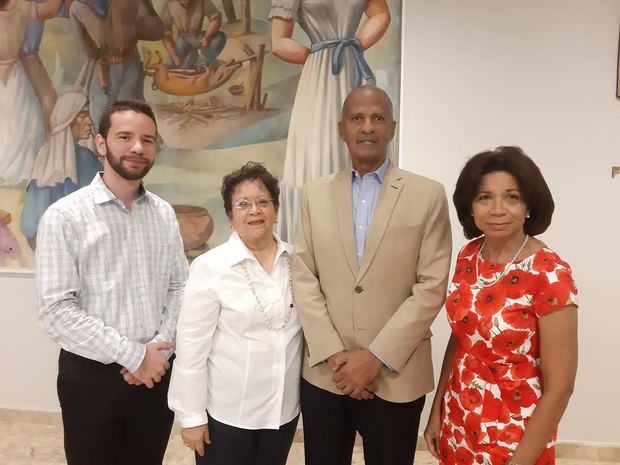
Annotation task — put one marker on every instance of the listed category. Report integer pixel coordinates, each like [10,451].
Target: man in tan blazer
[371,263]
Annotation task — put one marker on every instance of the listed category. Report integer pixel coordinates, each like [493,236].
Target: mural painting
[229,80]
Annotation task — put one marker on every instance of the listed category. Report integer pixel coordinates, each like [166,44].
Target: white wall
[29,358]
[539,74]
[477,74]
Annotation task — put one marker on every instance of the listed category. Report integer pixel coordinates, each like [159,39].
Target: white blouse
[228,361]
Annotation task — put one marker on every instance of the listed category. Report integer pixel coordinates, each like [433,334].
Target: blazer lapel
[390,190]
[344,210]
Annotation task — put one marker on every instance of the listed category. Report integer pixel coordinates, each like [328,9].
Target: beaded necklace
[489,283]
[259,303]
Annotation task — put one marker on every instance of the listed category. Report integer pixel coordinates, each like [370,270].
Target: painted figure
[332,66]
[21,121]
[192,45]
[109,31]
[62,165]
[10,251]
[37,74]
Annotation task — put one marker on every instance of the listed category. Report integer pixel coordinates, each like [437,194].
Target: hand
[364,394]
[176,59]
[129,378]
[154,364]
[196,437]
[204,43]
[432,432]
[359,371]
[337,360]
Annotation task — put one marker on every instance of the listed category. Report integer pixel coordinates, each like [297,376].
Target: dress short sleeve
[286,9]
[556,288]
[28,10]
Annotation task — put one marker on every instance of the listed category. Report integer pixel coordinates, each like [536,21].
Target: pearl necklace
[488,283]
[259,302]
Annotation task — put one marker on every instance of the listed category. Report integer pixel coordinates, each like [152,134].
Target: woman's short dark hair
[105,122]
[251,171]
[531,183]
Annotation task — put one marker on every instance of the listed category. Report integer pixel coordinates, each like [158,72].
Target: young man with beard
[110,274]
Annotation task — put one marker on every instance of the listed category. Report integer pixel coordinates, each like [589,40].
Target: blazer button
[359,289]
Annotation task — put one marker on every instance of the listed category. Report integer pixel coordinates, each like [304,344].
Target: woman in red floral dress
[510,365]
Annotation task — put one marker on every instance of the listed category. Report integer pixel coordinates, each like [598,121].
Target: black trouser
[389,430]
[238,446]
[107,421]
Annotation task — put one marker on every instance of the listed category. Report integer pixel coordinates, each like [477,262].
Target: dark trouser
[237,446]
[187,48]
[108,422]
[389,430]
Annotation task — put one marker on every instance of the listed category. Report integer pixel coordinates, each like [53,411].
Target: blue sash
[362,68]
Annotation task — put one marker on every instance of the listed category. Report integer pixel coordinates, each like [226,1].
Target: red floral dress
[496,380]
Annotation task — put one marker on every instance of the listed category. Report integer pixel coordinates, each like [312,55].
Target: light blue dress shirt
[365,192]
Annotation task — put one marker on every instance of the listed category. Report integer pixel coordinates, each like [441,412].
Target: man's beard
[116,163]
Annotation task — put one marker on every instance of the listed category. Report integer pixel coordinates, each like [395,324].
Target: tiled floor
[38,441]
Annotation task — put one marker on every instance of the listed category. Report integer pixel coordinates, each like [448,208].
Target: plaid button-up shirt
[109,279]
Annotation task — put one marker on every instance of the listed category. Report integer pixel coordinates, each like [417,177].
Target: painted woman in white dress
[332,67]
[62,165]
[21,121]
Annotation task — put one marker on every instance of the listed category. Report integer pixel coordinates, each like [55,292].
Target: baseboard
[574,450]
[592,451]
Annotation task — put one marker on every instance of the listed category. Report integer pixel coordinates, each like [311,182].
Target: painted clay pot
[196,225]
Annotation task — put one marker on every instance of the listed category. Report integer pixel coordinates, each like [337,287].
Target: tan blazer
[386,304]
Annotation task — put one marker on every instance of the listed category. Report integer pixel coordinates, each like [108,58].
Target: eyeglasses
[245,204]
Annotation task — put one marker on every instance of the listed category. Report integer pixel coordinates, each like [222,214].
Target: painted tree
[229,10]
[247,16]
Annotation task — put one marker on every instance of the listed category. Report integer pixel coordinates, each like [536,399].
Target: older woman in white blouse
[235,381]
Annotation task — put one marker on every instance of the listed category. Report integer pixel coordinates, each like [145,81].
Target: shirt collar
[240,252]
[102,194]
[379,172]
